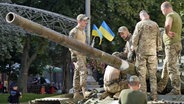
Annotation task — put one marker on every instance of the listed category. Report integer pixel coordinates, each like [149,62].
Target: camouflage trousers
[80,73]
[170,68]
[116,86]
[147,65]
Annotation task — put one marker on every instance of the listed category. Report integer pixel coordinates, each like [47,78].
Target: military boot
[176,84]
[154,97]
[77,96]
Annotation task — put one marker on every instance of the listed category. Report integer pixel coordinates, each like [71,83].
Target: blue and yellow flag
[106,31]
[96,32]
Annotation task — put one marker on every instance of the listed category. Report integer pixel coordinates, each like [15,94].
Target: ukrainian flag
[106,31]
[96,32]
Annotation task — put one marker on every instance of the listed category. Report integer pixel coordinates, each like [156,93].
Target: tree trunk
[67,79]
[25,64]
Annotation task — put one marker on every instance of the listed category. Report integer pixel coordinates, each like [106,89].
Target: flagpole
[93,41]
[88,13]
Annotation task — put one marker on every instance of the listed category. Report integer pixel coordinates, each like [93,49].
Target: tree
[32,47]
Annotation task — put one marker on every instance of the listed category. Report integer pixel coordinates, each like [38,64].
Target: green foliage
[9,45]
[52,56]
[66,7]
[10,50]
[5,1]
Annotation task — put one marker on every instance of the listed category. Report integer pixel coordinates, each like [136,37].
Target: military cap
[134,78]
[82,17]
[122,29]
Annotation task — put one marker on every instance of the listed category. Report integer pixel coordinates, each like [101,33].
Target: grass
[25,97]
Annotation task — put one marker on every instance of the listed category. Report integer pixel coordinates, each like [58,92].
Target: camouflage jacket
[79,35]
[146,39]
[128,48]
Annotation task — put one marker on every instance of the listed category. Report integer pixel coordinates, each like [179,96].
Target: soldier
[126,35]
[113,82]
[173,47]
[146,42]
[79,61]
[132,95]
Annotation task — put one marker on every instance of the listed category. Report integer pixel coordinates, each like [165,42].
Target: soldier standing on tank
[146,42]
[173,47]
[79,60]
[127,54]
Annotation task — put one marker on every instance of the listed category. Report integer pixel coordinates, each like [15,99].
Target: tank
[85,49]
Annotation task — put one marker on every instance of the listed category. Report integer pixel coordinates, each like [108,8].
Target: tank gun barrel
[66,41]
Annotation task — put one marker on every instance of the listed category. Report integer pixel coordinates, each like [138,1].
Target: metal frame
[57,22]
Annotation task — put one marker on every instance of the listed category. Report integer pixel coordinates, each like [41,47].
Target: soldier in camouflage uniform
[114,82]
[79,61]
[127,54]
[146,41]
[173,47]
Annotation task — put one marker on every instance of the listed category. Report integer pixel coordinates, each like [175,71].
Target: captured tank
[85,49]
